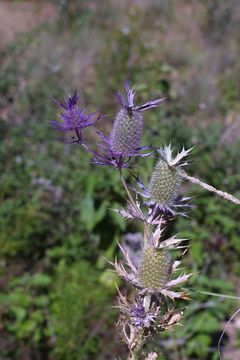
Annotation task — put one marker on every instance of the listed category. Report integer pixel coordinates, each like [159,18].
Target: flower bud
[154,268]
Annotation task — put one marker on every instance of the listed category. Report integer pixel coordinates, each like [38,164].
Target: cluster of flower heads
[124,140]
[123,144]
[154,274]
[152,270]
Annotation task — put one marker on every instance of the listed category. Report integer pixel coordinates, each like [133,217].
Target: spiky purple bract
[139,317]
[129,105]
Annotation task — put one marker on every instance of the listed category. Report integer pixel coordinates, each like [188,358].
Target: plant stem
[138,347]
[210,188]
[130,196]
[138,210]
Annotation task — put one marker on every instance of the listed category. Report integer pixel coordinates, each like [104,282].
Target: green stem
[210,188]
[130,196]
[138,347]
[140,213]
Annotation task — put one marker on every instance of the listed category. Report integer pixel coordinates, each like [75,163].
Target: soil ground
[18,17]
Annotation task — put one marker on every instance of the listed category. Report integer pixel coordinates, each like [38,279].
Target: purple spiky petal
[129,105]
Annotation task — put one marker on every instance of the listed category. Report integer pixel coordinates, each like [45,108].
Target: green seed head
[164,183]
[154,268]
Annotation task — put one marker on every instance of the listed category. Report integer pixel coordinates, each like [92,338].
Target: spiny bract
[154,268]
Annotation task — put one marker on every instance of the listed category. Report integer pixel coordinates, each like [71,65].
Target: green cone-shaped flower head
[166,178]
[154,268]
[164,184]
[128,125]
[127,132]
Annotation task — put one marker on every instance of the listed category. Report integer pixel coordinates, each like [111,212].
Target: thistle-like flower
[125,138]
[74,118]
[155,271]
[165,182]
[140,318]
[127,129]
[153,277]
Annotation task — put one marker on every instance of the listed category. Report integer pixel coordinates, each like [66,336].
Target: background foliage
[56,289]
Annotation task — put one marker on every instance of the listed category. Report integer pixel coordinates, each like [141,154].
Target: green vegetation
[55,222]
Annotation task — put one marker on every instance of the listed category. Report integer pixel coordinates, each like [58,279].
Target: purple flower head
[138,316]
[129,106]
[128,126]
[138,309]
[74,118]
[125,138]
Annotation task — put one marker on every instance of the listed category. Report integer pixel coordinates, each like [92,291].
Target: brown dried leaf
[123,299]
[120,269]
[175,318]
[171,294]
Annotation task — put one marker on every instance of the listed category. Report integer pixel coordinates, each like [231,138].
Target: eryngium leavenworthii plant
[125,138]
[153,271]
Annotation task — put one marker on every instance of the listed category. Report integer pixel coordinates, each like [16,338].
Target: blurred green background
[56,289]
